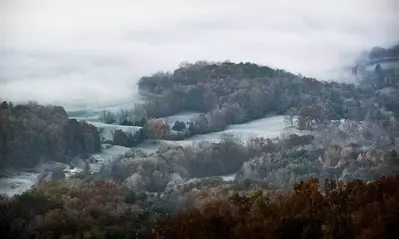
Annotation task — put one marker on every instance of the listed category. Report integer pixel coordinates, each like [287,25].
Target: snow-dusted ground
[17,183]
[270,127]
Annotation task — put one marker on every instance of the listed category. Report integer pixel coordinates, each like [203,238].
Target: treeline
[30,133]
[354,209]
[257,90]
[105,209]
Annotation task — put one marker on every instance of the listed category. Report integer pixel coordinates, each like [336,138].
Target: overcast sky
[95,50]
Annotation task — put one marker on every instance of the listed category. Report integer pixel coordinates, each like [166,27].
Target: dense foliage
[173,164]
[31,133]
[339,210]
[104,209]
[256,89]
[99,209]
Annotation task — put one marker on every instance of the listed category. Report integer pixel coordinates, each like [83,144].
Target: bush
[179,126]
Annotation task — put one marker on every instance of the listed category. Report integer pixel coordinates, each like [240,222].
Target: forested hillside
[255,90]
[229,93]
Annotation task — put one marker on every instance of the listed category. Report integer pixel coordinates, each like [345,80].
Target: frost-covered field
[17,183]
[269,127]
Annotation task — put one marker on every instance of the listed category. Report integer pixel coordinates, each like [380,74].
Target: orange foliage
[54,210]
[156,128]
[340,210]
[353,209]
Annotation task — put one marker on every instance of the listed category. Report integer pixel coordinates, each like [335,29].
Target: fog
[91,53]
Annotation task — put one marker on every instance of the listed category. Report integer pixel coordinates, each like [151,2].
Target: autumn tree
[353,209]
[157,128]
